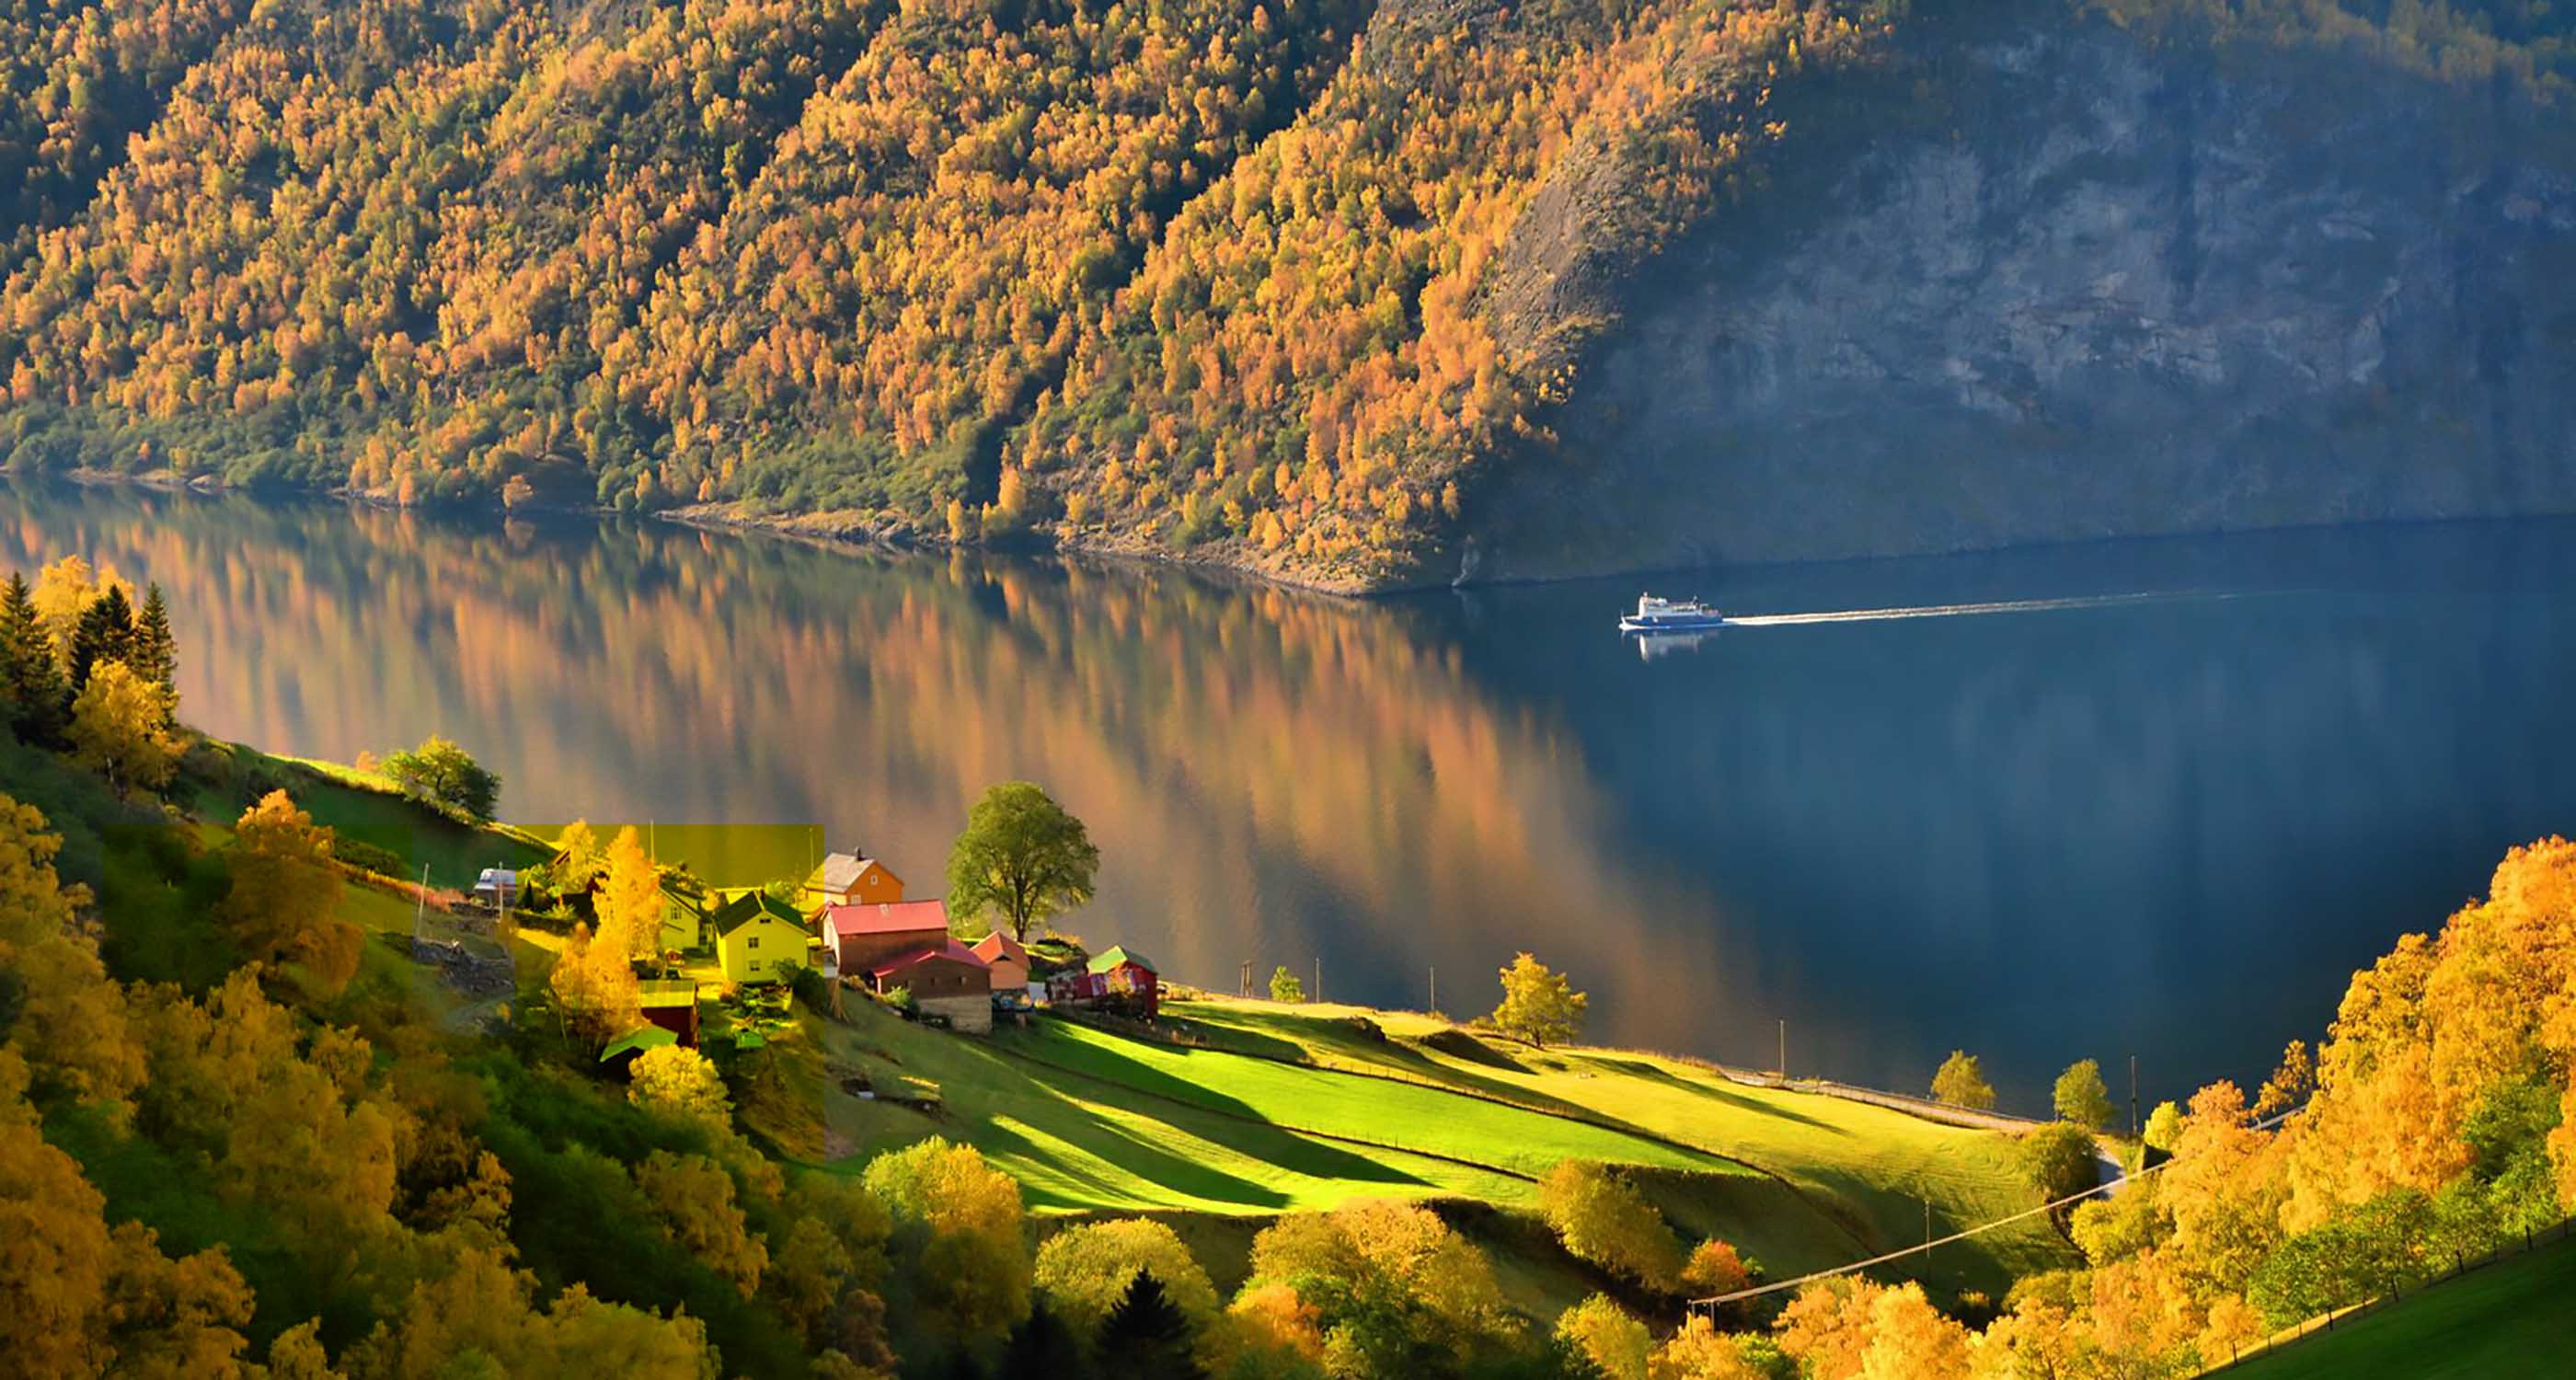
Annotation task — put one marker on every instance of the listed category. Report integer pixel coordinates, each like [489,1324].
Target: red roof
[893,917]
[997,946]
[951,950]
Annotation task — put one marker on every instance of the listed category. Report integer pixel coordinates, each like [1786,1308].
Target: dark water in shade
[2164,806]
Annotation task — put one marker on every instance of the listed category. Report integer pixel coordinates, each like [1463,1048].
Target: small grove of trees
[444,774]
[1023,860]
[1961,1082]
[120,729]
[1539,1004]
[1601,1218]
[1284,986]
[2059,1160]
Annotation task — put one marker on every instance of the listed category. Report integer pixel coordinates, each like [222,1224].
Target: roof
[840,871]
[500,876]
[950,950]
[743,907]
[997,947]
[667,992]
[885,917]
[636,1041]
[1117,955]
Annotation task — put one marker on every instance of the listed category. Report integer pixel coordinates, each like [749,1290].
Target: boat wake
[2093,601]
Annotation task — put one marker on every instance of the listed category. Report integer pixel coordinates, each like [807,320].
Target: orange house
[846,879]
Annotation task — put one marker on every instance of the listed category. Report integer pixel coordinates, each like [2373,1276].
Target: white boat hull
[1670,625]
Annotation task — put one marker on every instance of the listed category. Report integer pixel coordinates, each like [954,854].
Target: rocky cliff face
[2065,284]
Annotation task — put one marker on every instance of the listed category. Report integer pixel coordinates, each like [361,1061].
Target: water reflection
[2168,827]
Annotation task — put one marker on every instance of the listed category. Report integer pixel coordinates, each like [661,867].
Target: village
[847,929]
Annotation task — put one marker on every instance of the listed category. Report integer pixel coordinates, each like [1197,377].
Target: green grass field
[1094,1122]
[2510,1318]
[372,810]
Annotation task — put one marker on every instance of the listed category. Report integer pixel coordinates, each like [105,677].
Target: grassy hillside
[1288,1108]
[2509,1318]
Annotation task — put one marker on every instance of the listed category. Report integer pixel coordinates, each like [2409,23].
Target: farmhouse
[758,936]
[946,979]
[684,913]
[1009,962]
[858,936]
[846,879]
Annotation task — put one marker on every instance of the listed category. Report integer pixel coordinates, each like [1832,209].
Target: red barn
[862,936]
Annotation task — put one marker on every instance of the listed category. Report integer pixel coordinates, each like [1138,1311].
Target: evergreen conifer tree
[38,702]
[1147,1336]
[105,632]
[156,651]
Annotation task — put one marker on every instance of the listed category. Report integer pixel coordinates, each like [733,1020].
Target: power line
[1924,1249]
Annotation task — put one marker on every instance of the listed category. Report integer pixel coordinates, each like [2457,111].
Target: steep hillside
[2083,281]
[1351,294]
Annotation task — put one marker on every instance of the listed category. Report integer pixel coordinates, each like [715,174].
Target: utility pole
[1243,985]
[1319,979]
[2133,1094]
[1784,1049]
[420,905]
[1435,989]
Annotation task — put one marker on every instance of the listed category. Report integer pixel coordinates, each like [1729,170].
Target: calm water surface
[2168,826]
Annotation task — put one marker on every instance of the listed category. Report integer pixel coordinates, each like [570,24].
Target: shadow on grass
[1641,1069]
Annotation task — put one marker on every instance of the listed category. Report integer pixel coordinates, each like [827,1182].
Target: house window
[755,941]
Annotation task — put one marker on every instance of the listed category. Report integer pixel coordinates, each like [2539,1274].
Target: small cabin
[758,937]
[1120,978]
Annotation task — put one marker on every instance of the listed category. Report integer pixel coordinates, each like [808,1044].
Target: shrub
[1601,1219]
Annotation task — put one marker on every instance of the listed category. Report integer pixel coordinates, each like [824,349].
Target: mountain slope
[1353,296]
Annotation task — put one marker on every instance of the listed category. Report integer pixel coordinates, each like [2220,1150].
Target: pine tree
[105,632]
[1147,1335]
[37,700]
[156,651]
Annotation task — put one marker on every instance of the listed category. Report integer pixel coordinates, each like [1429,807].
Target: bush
[1601,1219]
[367,857]
[2058,1160]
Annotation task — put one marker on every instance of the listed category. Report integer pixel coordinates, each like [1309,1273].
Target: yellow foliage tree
[1600,1218]
[285,892]
[596,995]
[71,1027]
[1616,1343]
[629,905]
[680,1084]
[117,728]
[1084,1270]
[694,1198]
[972,1276]
[1539,1005]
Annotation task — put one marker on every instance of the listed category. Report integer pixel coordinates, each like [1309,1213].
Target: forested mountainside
[1351,294]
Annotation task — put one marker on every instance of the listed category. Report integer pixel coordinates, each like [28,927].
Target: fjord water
[2162,807]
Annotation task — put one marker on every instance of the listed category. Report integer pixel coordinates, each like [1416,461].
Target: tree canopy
[441,772]
[1022,860]
[1961,1082]
[1539,1005]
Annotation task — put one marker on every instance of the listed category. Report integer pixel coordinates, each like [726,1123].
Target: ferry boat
[1655,615]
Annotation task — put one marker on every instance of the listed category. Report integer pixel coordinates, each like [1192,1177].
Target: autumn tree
[629,904]
[1715,1268]
[2080,1097]
[117,729]
[679,1083]
[1388,1281]
[1961,1082]
[285,892]
[957,1228]
[1084,1270]
[2163,1125]
[595,990]
[1284,986]
[578,860]
[441,772]
[70,1026]
[693,1197]
[1022,859]
[1601,1218]
[33,690]
[1698,1351]
[1539,1005]
[1615,1343]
